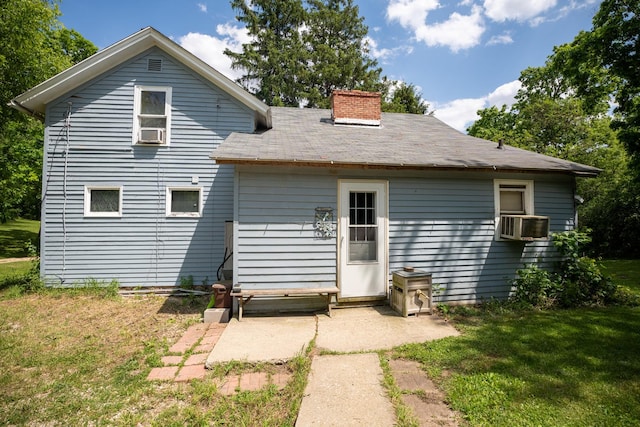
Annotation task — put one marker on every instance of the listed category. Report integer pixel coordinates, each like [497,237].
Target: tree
[605,61]
[274,62]
[406,98]
[550,118]
[299,55]
[33,47]
[338,55]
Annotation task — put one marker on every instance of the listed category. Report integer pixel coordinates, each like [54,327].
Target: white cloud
[504,94]
[384,54]
[516,10]
[457,32]
[410,13]
[461,113]
[211,49]
[202,7]
[504,38]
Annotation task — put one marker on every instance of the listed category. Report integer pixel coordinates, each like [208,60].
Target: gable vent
[154,64]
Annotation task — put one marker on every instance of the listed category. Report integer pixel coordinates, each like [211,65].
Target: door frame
[383,231]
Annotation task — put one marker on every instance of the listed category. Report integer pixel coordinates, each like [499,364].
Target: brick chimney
[355,107]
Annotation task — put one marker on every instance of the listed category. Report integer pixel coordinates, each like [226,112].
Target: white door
[362,239]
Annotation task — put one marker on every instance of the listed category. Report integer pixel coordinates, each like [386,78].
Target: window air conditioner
[151,136]
[524,227]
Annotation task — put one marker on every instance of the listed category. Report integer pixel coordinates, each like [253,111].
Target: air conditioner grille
[524,227]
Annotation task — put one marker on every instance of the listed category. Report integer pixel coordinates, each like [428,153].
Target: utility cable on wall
[67,125]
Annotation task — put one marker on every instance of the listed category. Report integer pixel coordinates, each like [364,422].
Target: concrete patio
[275,339]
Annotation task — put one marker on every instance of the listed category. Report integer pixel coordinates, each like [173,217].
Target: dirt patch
[421,394]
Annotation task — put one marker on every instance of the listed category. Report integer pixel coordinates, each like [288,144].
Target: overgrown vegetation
[580,280]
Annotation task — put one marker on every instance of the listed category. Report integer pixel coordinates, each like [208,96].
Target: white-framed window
[102,201]
[152,115]
[184,201]
[512,197]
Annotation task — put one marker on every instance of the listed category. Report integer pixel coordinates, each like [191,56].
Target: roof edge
[34,100]
[348,165]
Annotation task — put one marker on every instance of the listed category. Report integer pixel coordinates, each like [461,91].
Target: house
[150,155]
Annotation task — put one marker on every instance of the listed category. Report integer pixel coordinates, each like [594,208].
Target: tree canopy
[301,52]
[604,63]
[33,47]
[557,114]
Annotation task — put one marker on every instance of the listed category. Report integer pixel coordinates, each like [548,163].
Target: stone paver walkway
[189,354]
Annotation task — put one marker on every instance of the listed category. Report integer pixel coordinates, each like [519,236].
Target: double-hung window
[512,197]
[100,201]
[184,201]
[152,115]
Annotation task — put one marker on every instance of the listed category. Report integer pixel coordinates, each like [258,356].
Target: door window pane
[363,230]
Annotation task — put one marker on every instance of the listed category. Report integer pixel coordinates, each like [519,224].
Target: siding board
[143,247]
[439,224]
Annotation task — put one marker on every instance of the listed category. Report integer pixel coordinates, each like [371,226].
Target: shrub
[579,282]
[535,287]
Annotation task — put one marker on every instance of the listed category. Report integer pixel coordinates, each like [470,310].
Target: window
[152,115]
[363,227]
[184,201]
[512,197]
[103,201]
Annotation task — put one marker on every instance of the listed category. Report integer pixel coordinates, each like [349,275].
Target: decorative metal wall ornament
[324,224]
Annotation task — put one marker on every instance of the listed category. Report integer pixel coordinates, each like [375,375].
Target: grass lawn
[625,272]
[576,367]
[15,234]
[76,358]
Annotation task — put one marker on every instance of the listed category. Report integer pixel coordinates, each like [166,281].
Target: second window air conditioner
[524,227]
[151,136]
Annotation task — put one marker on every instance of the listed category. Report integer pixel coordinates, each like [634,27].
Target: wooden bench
[245,295]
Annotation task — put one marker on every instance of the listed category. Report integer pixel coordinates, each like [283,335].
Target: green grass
[12,269]
[561,368]
[15,234]
[81,358]
[625,272]
[527,368]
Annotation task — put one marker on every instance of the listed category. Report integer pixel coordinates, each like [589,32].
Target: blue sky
[463,55]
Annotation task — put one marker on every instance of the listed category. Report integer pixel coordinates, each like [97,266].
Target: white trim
[87,201]
[35,100]
[171,214]
[528,200]
[136,113]
[342,235]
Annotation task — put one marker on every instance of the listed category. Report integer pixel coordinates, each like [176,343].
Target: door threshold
[368,303]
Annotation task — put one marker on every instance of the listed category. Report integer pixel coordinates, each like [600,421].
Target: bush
[579,282]
[535,287]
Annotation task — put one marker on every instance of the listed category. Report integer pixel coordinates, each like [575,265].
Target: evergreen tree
[274,63]
[299,55]
[338,55]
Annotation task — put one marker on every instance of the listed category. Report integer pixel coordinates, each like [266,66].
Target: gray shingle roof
[307,137]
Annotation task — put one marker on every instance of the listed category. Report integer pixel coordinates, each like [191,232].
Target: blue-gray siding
[143,247]
[439,222]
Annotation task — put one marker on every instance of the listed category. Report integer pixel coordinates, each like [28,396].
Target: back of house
[157,168]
